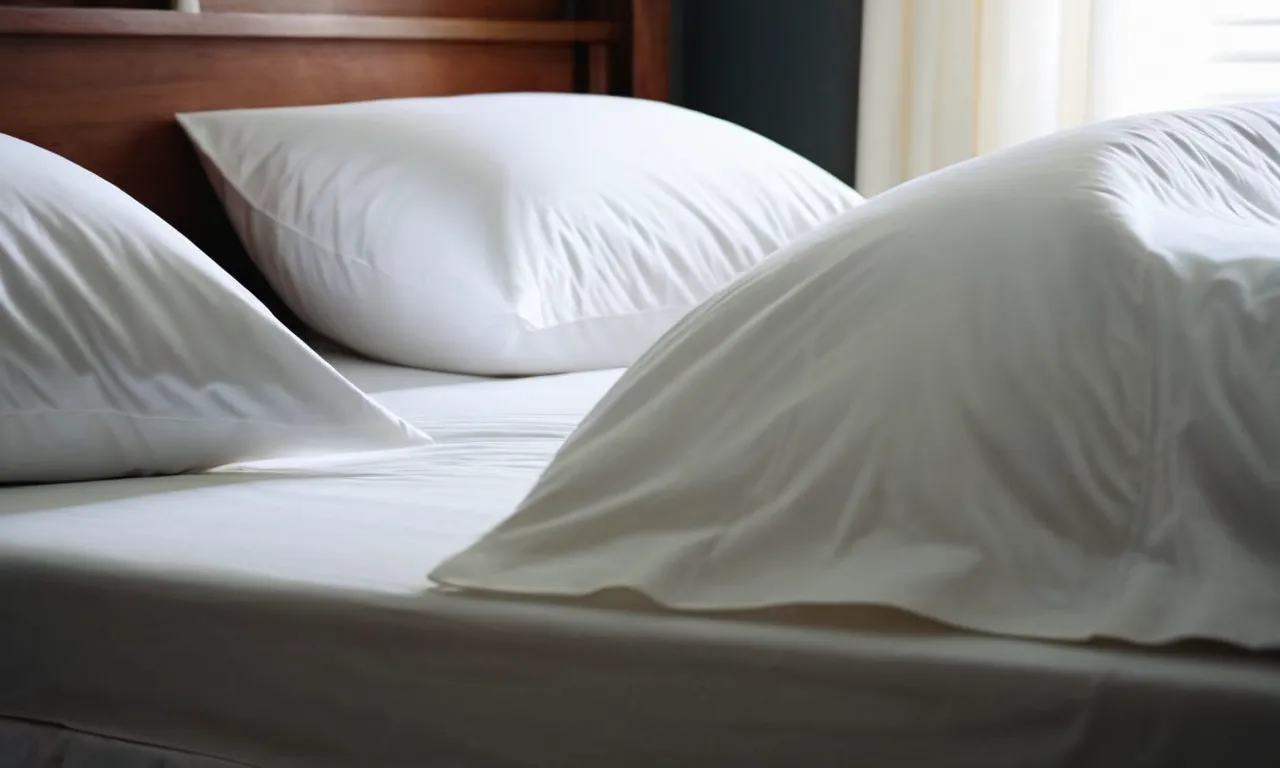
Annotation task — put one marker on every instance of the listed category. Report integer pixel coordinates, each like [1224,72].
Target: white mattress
[279,616]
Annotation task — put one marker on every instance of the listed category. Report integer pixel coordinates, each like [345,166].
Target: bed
[280,615]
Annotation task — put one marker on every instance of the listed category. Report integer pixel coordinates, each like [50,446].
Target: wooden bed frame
[100,86]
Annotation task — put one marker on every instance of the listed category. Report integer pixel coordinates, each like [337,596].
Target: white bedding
[377,378]
[501,234]
[1034,394]
[280,616]
[366,521]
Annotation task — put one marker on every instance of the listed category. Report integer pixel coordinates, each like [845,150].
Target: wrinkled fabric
[125,350]
[507,233]
[1037,393]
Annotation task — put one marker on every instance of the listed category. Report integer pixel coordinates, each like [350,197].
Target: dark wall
[785,68]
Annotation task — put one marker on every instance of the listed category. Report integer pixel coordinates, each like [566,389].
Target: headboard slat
[97,22]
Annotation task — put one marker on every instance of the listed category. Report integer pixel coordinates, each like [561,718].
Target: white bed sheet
[373,377]
[278,616]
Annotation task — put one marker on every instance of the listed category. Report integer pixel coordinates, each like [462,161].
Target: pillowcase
[504,233]
[128,352]
[1034,394]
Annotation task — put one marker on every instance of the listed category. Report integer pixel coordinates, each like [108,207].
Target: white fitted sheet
[375,378]
[279,616]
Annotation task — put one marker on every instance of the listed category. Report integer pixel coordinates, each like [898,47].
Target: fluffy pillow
[127,351]
[1036,394]
[508,233]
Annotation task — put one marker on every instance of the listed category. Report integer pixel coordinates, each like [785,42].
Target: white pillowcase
[505,233]
[126,351]
[1035,394]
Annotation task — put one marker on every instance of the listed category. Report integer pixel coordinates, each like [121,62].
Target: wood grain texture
[152,4]
[94,22]
[641,68]
[469,9]
[651,49]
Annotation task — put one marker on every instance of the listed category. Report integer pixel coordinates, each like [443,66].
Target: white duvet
[1037,393]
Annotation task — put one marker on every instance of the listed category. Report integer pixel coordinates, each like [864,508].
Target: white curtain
[946,80]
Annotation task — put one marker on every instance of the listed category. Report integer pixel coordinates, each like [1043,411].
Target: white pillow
[1035,394]
[509,233]
[126,351]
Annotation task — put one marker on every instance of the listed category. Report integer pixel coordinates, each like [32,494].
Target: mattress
[277,614]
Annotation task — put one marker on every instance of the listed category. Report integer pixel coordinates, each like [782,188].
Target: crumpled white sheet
[1036,394]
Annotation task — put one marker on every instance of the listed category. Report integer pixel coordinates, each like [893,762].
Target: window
[1244,50]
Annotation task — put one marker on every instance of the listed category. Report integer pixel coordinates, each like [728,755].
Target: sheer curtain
[946,80]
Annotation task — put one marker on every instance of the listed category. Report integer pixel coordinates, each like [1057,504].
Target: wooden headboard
[100,86]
